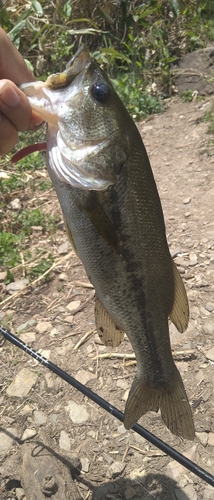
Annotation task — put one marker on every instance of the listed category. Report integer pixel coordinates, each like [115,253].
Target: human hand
[15,111]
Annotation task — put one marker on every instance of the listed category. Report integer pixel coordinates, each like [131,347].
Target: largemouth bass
[102,175]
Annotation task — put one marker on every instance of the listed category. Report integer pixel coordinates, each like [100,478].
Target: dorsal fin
[179,314]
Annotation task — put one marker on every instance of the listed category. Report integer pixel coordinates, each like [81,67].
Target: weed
[187,96]
[23,221]
[42,267]
[9,249]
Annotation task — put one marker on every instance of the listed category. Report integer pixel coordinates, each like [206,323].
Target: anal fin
[107,330]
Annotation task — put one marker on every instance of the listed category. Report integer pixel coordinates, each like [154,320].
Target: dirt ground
[54,442]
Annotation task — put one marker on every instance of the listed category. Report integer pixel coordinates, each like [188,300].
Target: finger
[16,107]
[12,65]
[8,135]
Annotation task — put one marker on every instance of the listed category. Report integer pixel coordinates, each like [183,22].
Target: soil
[92,456]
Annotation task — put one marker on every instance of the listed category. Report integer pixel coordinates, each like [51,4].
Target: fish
[101,172]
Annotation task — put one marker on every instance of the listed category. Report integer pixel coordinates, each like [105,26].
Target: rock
[16,286]
[45,353]
[63,277]
[43,326]
[211,439]
[208,493]
[123,384]
[77,413]
[202,437]
[3,275]
[115,469]
[72,306]
[69,319]
[55,331]
[121,429]
[22,383]
[28,434]
[28,337]
[64,248]
[20,494]
[39,418]
[64,441]
[27,324]
[174,469]
[210,354]
[15,204]
[193,259]
[186,201]
[188,492]
[83,376]
[7,439]
[85,464]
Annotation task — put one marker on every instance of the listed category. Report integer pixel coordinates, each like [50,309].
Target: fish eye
[101,92]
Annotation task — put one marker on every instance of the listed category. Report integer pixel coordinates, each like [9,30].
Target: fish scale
[115,222]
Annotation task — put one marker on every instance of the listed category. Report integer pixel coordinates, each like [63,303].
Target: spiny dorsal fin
[107,330]
[179,314]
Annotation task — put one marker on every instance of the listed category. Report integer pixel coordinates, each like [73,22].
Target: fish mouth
[75,166]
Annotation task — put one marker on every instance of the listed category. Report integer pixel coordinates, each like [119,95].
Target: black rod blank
[191,466]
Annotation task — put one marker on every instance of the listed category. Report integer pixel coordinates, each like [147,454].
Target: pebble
[43,326]
[55,331]
[186,201]
[16,286]
[28,434]
[210,354]
[123,384]
[15,204]
[202,437]
[77,413]
[63,277]
[39,418]
[84,376]
[193,259]
[7,439]
[45,353]
[22,383]
[174,469]
[20,494]
[27,324]
[187,492]
[3,275]
[72,306]
[208,493]
[64,248]
[85,464]
[211,438]
[69,319]
[115,469]
[28,337]
[64,441]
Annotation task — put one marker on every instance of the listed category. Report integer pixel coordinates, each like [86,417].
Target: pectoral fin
[107,330]
[93,209]
[179,314]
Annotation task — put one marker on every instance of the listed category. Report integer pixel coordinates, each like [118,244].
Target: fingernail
[9,96]
[38,124]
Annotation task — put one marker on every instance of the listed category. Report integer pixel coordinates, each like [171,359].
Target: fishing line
[191,466]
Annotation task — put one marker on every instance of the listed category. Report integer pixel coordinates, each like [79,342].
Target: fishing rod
[191,466]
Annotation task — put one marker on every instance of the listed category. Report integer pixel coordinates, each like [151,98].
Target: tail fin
[171,399]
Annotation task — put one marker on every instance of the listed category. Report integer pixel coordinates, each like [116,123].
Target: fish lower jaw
[71,173]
